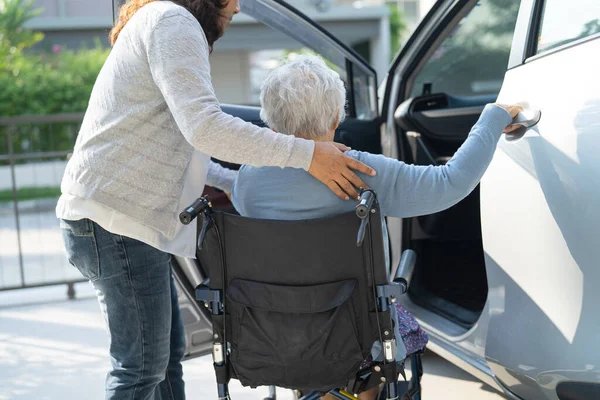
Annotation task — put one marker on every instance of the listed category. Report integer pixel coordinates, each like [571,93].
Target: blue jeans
[137,296]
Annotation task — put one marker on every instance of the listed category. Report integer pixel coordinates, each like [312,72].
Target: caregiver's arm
[411,190]
[180,67]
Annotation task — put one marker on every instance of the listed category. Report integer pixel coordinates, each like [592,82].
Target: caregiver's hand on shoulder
[513,110]
[332,167]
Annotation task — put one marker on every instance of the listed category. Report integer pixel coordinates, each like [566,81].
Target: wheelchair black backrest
[300,252]
[287,276]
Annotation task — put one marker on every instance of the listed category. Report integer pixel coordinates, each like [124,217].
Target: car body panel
[540,220]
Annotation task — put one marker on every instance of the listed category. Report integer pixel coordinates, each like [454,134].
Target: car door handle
[526,119]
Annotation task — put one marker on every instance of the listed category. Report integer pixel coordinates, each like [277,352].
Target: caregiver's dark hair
[207,12]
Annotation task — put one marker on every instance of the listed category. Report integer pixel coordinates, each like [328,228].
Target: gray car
[506,281]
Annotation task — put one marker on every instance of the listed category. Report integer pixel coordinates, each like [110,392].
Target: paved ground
[51,348]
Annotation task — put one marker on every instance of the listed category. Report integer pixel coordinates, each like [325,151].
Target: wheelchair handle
[363,209]
[367,197]
[191,212]
[406,268]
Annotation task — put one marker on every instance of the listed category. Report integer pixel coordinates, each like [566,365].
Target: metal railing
[33,153]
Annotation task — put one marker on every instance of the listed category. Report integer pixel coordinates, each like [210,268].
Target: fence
[33,154]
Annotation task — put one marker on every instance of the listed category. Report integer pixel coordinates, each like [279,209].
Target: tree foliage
[35,83]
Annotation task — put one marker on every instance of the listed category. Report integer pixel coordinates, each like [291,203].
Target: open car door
[360,131]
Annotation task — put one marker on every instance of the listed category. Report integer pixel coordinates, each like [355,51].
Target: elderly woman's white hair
[304,98]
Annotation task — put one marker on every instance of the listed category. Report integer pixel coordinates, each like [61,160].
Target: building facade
[242,55]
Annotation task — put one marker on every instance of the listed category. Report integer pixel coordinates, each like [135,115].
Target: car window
[365,102]
[472,60]
[263,62]
[283,20]
[566,21]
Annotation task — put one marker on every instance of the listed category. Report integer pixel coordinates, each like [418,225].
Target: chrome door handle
[526,119]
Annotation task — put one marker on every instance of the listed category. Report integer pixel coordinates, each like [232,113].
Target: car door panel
[196,320]
[441,116]
[539,225]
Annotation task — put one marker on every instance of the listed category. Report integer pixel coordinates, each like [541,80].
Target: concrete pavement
[51,348]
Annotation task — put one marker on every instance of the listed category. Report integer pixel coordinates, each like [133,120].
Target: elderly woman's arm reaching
[305,98]
[405,190]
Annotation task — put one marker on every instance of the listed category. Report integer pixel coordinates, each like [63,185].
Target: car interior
[445,93]
[450,277]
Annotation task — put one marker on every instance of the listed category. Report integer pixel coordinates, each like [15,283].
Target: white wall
[38,174]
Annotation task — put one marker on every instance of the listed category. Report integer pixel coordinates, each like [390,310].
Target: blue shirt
[403,190]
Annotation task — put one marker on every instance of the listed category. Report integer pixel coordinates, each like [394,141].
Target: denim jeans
[137,296]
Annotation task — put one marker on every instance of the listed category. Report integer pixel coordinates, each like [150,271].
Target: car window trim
[351,100]
[563,47]
[522,37]
[345,50]
[525,46]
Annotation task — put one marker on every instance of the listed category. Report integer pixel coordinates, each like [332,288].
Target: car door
[539,210]
[360,131]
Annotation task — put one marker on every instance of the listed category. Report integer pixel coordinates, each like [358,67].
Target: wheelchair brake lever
[206,225]
[361,232]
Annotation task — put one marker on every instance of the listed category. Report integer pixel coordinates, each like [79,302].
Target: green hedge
[50,83]
[41,83]
[47,84]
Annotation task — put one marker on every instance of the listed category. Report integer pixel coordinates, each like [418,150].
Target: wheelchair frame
[385,372]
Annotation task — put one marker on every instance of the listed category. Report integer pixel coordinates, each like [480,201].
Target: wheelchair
[299,304]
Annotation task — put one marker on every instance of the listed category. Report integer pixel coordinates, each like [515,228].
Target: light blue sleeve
[235,194]
[411,190]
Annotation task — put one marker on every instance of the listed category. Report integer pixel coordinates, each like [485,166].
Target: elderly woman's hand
[334,169]
[513,110]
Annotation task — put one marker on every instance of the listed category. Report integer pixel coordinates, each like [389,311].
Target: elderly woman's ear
[336,124]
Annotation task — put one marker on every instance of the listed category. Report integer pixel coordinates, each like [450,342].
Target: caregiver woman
[152,117]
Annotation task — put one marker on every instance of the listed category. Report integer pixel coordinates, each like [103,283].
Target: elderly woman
[305,98]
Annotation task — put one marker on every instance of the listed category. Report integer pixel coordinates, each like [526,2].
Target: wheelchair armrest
[405,269]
